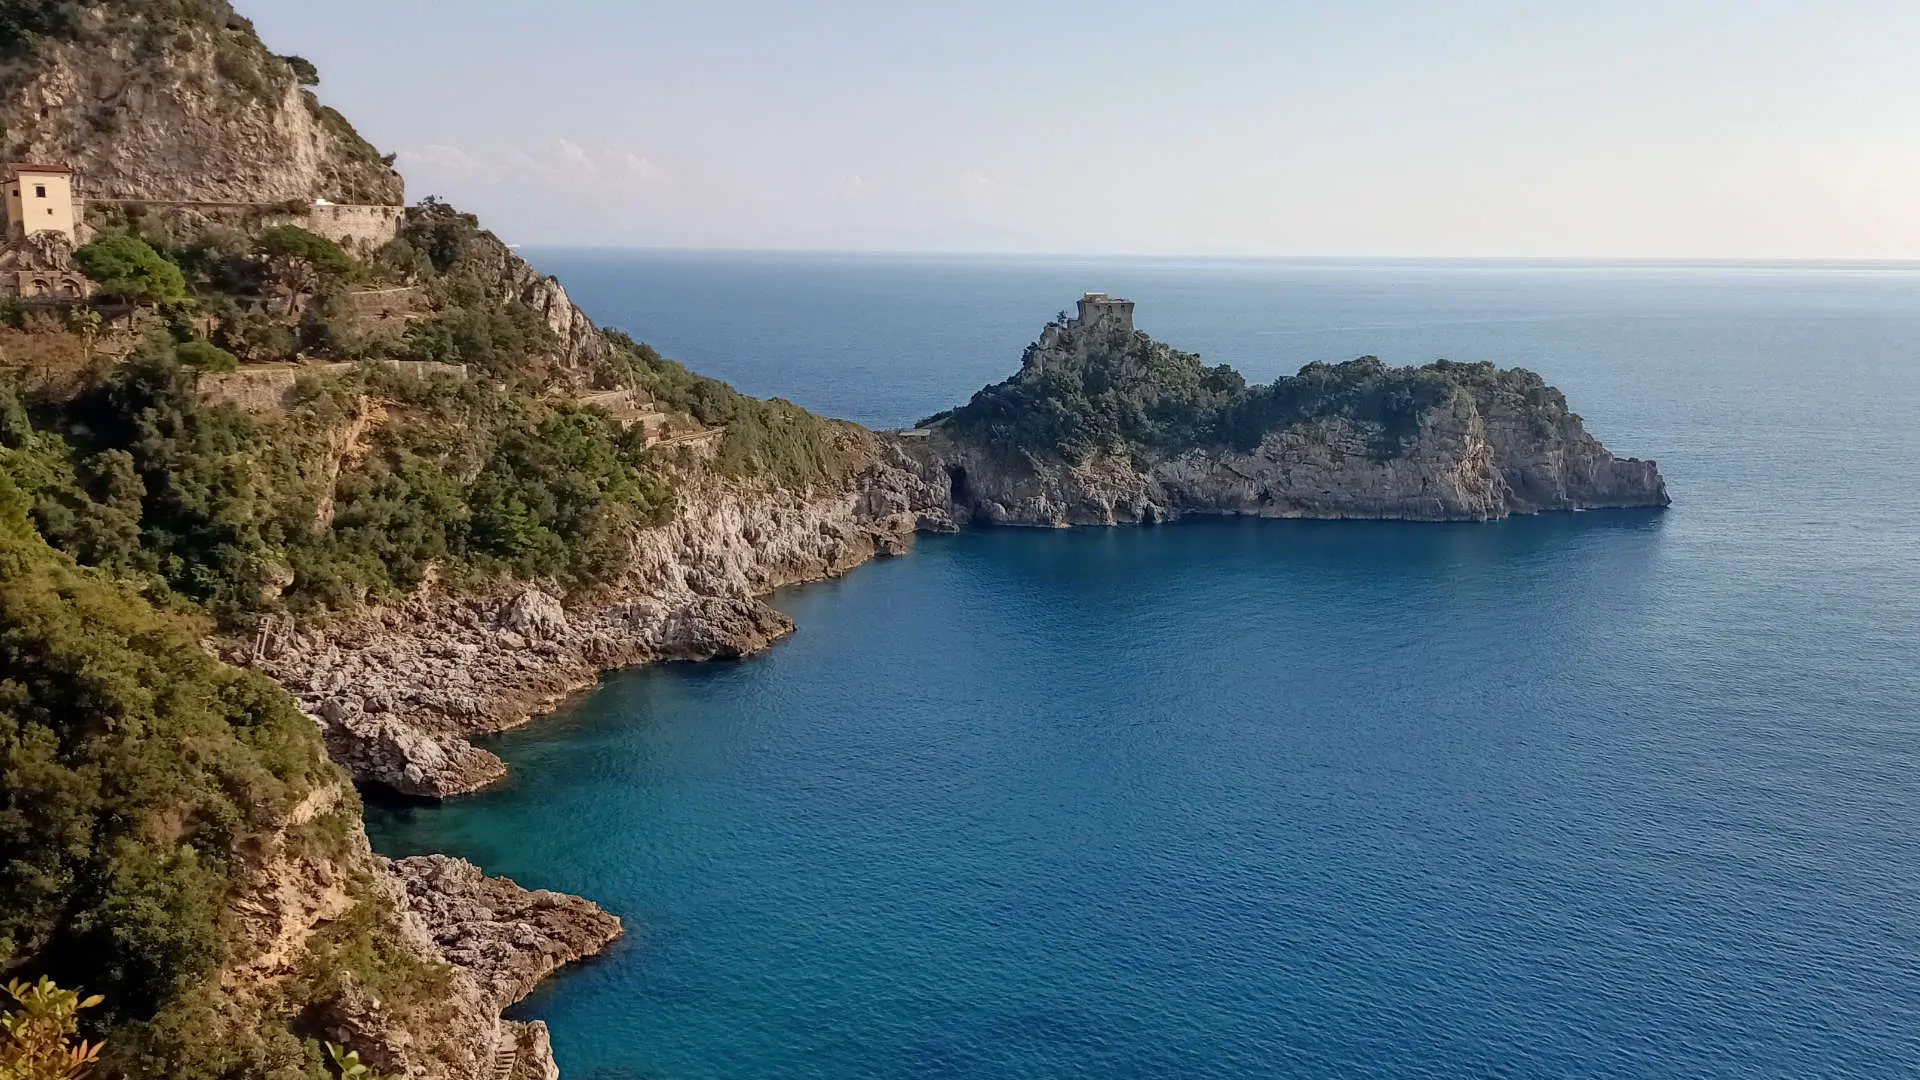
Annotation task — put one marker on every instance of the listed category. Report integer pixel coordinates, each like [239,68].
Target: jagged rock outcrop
[149,100]
[505,938]
[1449,442]
[491,941]
[398,692]
[477,944]
[582,349]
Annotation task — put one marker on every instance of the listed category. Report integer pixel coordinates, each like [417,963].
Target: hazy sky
[1680,128]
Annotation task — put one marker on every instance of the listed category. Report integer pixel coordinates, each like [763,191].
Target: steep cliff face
[1149,435]
[178,101]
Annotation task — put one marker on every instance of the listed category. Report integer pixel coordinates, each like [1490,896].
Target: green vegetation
[206,356]
[126,266]
[138,770]
[140,476]
[37,1034]
[26,23]
[194,502]
[772,438]
[300,263]
[142,778]
[349,1064]
[1130,395]
[558,498]
[303,70]
[1388,401]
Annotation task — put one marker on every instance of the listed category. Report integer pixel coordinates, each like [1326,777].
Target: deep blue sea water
[1627,794]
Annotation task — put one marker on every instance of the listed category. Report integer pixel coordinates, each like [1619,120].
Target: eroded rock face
[493,940]
[207,114]
[534,616]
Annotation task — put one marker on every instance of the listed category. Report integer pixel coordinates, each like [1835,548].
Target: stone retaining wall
[358,228]
[265,389]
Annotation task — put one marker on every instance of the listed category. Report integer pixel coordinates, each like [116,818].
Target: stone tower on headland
[1098,311]
[1100,317]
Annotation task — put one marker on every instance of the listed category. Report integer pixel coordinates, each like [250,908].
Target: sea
[1623,794]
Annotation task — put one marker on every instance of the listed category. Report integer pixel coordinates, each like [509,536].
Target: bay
[1599,795]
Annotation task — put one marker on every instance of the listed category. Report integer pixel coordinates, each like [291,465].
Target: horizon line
[1649,260]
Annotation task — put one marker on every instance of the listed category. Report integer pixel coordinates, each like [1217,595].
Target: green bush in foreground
[37,1034]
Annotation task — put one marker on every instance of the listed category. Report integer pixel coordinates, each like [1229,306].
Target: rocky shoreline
[496,941]
[399,692]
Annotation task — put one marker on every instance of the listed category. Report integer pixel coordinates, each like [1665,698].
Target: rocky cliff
[175,101]
[1103,427]
[580,351]
[398,691]
[498,941]
[458,949]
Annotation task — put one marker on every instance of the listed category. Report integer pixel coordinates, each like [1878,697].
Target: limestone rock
[398,693]
[505,937]
[535,616]
[721,628]
[211,116]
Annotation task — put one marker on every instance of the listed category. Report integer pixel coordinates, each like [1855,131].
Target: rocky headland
[1103,425]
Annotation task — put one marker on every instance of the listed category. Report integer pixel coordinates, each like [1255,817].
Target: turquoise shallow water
[1597,795]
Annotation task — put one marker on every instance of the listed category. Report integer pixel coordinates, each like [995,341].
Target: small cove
[1611,794]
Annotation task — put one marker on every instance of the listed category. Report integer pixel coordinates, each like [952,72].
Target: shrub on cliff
[1127,395]
[772,438]
[89,506]
[201,513]
[1130,395]
[303,70]
[128,267]
[26,23]
[506,342]
[206,356]
[1389,401]
[553,498]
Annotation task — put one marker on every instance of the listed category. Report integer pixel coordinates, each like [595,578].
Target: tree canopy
[126,266]
[300,261]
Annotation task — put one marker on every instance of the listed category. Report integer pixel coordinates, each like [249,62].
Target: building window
[39,191]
